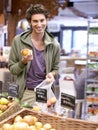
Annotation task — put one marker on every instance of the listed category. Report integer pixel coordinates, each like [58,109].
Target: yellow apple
[38,125]
[20,126]
[4,101]
[29,119]
[7,126]
[36,108]
[18,118]
[47,126]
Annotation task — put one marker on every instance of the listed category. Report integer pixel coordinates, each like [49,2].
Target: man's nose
[39,23]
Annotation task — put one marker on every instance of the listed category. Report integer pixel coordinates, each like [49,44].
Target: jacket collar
[25,37]
[48,38]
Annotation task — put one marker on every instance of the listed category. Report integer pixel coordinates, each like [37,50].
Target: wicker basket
[11,110]
[58,123]
[77,124]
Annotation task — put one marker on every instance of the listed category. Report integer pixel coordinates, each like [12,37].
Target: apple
[26,52]
[36,108]
[32,127]
[4,101]
[47,126]
[29,119]
[35,119]
[3,107]
[42,129]
[53,100]
[38,125]
[18,118]
[49,103]
[7,126]
[20,126]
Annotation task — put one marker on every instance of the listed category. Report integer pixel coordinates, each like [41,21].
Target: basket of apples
[8,106]
[26,119]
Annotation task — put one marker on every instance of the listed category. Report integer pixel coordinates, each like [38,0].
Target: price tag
[41,95]
[13,90]
[68,101]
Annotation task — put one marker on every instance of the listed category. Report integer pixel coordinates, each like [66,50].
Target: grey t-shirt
[37,71]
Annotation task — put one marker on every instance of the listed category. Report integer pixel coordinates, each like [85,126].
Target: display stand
[91,83]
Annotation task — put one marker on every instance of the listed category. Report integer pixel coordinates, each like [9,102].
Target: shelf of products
[91,84]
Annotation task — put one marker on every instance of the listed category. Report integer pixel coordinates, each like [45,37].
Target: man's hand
[27,58]
[27,55]
[49,77]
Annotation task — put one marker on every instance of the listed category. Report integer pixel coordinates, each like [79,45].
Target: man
[80,82]
[43,63]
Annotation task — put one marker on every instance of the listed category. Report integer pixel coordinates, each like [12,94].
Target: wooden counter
[71,60]
[77,62]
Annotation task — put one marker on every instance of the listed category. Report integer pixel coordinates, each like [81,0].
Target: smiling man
[42,63]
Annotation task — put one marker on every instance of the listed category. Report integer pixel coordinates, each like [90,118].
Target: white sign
[1,37]
[4,29]
[6,51]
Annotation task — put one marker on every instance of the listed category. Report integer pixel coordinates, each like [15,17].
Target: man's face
[38,23]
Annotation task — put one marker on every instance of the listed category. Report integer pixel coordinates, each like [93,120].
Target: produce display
[93,66]
[91,83]
[93,54]
[5,103]
[38,106]
[27,122]
[8,106]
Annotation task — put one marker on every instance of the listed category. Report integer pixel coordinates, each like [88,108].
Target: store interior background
[69,26]
[68,23]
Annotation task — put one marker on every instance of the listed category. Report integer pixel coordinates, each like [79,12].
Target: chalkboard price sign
[13,90]
[68,101]
[41,95]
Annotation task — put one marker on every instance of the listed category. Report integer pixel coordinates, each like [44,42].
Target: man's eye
[42,20]
[35,21]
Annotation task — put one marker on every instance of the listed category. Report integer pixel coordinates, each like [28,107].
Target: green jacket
[16,67]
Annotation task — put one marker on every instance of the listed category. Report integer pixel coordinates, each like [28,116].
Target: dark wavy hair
[36,9]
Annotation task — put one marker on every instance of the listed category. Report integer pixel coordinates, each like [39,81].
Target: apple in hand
[26,52]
